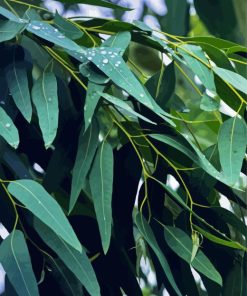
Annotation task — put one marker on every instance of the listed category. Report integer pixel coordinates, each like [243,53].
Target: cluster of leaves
[98,127]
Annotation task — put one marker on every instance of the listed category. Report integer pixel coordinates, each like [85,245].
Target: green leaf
[190,54]
[232,140]
[44,95]
[147,233]
[109,61]
[88,142]
[101,182]
[176,21]
[93,74]
[119,40]
[125,106]
[209,104]
[8,30]
[67,28]
[191,151]
[48,32]
[101,3]
[8,130]
[11,16]
[16,262]
[161,85]
[44,206]
[181,244]
[220,241]
[92,99]
[16,76]
[77,262]
[236,80]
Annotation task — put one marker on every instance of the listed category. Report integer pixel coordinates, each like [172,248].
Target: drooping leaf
[193,56]
[49,33]
[8,130]
[44,206]
[236,80]
[77,262]
[232,141]
[67,28]
[9,29]
[147,233]
[220,241]
[91,101]
[16,262]
[87,146]
[119,103]
[101,3]
[44,95]
[181,244]
[101,181]
[161,85]
[16,76]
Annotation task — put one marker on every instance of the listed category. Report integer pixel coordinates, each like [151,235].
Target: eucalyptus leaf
[87,146]
[15,258]
[101,3]
[232,141]
[147,233]
[8,130]
[77,262]
[9,29]
[181,244]
[44,95]
[101,181]
[16,75]
[34,197]
[236,80]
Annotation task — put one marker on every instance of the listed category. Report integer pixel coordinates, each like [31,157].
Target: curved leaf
[147,233]
[181,244]
[44,95]
[44,206]
[87,146]
[16,76]
[8,130]
[16,262]
[232,142]
[101,181]
[8,30]
[77,262]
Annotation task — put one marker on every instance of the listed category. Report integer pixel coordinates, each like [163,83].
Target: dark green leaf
[181,244]
[88,142]
[44,95]
[77,262]
[92,99]
[101,181]
[44,206]
[120,40]
[15,259]
[123,105]
[16,76]
[147,233]
[101,3]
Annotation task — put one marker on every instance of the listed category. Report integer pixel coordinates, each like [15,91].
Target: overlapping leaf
[45,98]
[41,204]
[14,257]
[8,130]
[101,181]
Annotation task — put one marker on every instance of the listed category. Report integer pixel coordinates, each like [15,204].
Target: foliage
[109,123]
